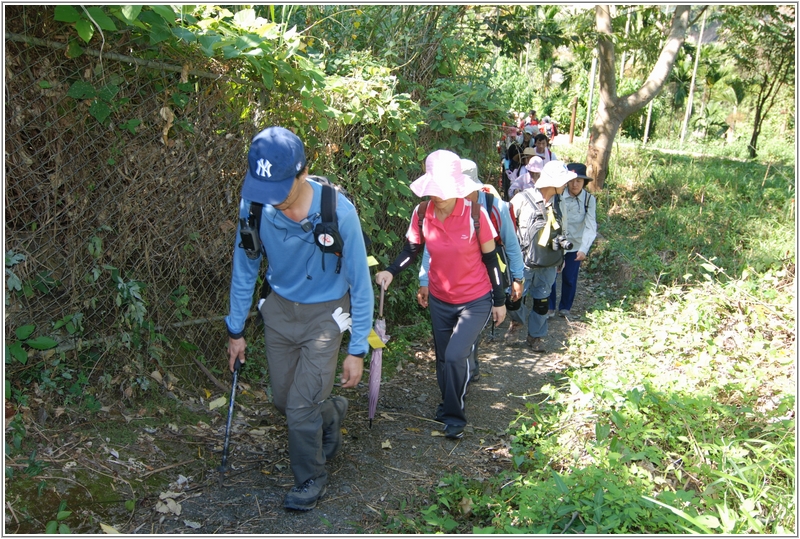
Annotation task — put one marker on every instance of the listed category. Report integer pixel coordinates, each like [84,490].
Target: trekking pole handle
[380,307]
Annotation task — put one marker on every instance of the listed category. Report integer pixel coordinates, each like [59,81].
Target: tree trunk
[612,110]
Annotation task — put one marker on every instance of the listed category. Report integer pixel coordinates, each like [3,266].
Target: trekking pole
[224,467]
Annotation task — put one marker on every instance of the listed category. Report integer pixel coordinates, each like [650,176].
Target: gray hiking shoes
[332,436]
[305,497]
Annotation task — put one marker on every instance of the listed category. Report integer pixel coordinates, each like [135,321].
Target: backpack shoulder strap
[254,219]
[493,216]
[586,202]
[489,202]
[421,209]
[328,203]
[476,219]
[528,197]
[557,206]
[255,211]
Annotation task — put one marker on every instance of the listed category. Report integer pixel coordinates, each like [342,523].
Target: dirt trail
[400,457]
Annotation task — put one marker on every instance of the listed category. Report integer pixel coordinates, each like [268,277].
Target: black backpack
[530,225]
[326,233]
[501,248]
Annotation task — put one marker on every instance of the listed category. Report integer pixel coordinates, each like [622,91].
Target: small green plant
[181,300]
[58,525]
[13,283]
[16,431]
[15,349]
[72,323]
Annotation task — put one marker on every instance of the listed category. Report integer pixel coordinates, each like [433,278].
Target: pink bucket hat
[535,164]
[443,177]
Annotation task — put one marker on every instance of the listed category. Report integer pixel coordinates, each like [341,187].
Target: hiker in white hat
[541,240]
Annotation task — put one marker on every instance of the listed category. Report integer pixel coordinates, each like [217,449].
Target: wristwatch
[520,281]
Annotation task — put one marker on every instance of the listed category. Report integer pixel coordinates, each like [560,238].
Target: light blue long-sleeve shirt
[507,233]
[295,267]
[579,219]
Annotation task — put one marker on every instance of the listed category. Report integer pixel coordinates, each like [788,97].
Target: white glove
[343,319]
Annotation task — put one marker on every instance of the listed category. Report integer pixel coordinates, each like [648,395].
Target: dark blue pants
[569,283]
[456,329]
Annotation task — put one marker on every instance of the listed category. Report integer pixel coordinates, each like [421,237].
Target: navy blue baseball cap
[275,158]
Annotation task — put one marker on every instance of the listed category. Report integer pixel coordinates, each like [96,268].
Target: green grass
[663,214]
[676,413]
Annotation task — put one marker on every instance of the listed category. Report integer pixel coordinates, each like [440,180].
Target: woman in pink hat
[533,169]
[461,300]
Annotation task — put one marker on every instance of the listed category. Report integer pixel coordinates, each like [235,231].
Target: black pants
[456,329]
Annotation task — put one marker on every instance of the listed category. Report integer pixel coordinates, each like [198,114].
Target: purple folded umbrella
[376,362]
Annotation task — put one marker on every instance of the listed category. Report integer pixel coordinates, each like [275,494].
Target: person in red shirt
[461,300]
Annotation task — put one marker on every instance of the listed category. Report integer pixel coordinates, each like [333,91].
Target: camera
[561,242]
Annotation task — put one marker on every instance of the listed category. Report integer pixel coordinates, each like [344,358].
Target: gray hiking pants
[521,314]
[542,280]
[302,344]
[456,329]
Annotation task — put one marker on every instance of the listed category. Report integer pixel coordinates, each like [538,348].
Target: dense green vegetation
[677,412]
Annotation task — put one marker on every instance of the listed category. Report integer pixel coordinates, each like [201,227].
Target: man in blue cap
[313,302]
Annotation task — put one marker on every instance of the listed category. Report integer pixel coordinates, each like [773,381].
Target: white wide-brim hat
[443,177]
[554,174]
[470,169]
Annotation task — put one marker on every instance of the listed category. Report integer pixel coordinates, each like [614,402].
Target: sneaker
[332,438]
[513,333]
[454,432]
[305,497]
[564,313]
[551,314]
[535,343]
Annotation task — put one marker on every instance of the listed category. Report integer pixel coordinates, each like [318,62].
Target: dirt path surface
[402,456]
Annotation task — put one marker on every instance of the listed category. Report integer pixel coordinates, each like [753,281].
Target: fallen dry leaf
[217,403]
[387,416]
[108,529]
[437,433]
[466,505]
[386,445]
[169,506]
[412,429]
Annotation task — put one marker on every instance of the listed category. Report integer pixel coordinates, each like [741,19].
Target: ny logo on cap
[263,168]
